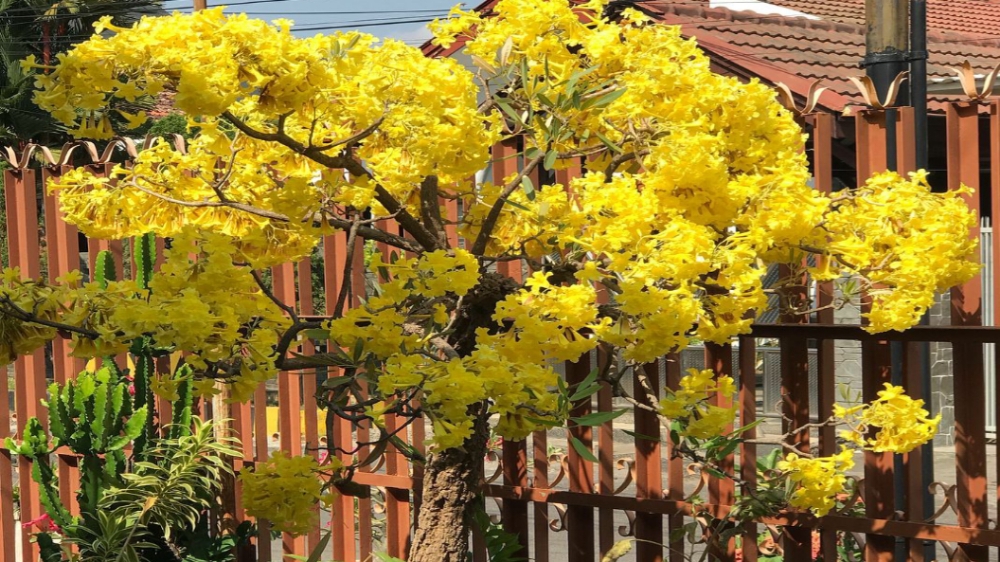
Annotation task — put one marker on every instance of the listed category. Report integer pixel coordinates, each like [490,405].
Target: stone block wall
[847,359]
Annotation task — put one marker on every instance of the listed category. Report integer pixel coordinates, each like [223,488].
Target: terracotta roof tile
[797,50]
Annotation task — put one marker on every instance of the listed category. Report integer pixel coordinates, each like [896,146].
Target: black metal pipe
[918,78]
[918,97]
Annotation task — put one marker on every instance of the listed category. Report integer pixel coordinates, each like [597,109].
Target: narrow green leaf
[607,142]
[604,100]
[590,379]
[317,552]
[529,187]
[638,435]
[597,418]
[582,449]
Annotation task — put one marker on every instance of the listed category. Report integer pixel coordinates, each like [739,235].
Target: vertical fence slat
[63,251]
[878,471]
[540,479]
[23,249]
[310,411]
[648,470]
[261,438]
[722,491]
[748,449]
[797,541]
[879,493]
[338,430]
[995,218]
[822,138]
[675,469]
[966,310]
[580,519]
[912,379]
[289,396]
[870,136]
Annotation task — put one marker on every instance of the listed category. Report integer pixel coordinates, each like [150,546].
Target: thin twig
[352,236]
[290,310]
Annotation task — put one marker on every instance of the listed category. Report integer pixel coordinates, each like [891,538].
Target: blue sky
[398,19]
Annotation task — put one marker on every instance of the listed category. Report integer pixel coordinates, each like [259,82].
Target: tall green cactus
[92,417]
[144,251]
[183,406]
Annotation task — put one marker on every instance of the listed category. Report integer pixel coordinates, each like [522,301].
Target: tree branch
[345,286]
[23,315]
[430,209]
[494,215]
[426,240]
[289,310]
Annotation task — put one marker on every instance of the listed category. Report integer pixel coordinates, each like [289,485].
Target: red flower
[44,524]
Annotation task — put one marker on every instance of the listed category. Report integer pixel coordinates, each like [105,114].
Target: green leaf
[317,552]
[597,418]
[529,187]
[604,100]
[584,387]
[359,349]
[638,435]
[510,111]
[317,334]
[582,449]
[607,142]
[550,159]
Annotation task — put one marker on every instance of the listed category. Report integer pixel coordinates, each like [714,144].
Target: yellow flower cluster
[284,490]
[819,481]
[324,90]
[689,404]
[892,232]
[16,336]
[694,185]
[903,423]
[547,322]
[393,320]
[199,303]
[518,391]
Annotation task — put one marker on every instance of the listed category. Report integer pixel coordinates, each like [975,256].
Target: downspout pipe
[886,55]
[918,97]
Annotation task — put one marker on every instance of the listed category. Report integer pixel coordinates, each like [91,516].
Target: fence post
[822,139]
[23,250]
[962,120]
[648,474]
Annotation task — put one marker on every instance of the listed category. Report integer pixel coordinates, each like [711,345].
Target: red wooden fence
[562,505]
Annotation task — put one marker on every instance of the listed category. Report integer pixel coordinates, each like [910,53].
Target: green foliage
[155,502]
[34,27]
[501,546]
[173,124]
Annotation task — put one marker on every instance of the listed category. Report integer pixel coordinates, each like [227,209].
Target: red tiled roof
[974,18]
[163,105]
[774,46]
[797,51]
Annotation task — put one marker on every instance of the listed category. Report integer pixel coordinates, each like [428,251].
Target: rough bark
[451,483]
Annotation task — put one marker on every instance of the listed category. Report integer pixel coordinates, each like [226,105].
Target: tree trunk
[451,483]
